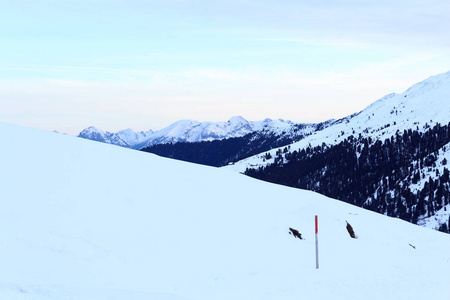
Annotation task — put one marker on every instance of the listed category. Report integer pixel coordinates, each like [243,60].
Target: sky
[117,64]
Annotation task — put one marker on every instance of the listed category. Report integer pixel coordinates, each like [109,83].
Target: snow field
[86,220]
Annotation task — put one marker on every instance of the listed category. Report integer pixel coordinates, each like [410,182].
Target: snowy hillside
[185,131]
[76,226]
[421,106]
[396,152]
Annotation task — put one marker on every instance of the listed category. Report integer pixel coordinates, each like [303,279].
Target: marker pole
[317,244]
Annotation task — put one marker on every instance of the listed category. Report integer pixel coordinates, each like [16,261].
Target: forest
[399,177]
[219,153]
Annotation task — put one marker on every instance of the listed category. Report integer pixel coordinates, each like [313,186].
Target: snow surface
[74,225]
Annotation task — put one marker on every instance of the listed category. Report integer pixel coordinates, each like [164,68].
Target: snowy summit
[184,131]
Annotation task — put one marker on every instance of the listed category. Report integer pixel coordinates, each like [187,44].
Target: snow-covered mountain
[184,131]
[420,107]
[410,127]
[75,226]
[221,152]
[124,138]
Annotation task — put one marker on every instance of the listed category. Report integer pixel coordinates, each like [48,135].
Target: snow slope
[73,225]
[420,107]
[185,131]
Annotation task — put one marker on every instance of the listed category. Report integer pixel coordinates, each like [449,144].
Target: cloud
[316,42]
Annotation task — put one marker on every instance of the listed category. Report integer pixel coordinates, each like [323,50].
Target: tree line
[219,153]
[391,177]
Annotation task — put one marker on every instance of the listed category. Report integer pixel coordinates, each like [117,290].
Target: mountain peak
[438,81]
[92,129]
[93,133]
[237,120]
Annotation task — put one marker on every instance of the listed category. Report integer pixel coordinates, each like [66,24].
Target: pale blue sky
[66,65]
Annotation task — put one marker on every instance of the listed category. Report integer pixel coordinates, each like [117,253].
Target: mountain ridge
[385,124]
[393,119]
[184,131]
[407,133]
[219,153]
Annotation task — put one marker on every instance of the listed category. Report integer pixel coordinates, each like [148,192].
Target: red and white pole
[317,244]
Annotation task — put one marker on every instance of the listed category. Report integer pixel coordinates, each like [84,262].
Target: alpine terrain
[221,152]
[82,220]
[184,131]
[391,158]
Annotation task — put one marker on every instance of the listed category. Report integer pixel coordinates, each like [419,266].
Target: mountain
[183,131]
[124,138]
[420,107]
[75,226]
[221,152]
[391,157]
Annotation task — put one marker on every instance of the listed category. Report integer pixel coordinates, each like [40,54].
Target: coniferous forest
[219,153]
[383,176]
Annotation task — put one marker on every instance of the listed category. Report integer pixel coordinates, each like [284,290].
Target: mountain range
[221,152]
[390,157]
[185,131]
